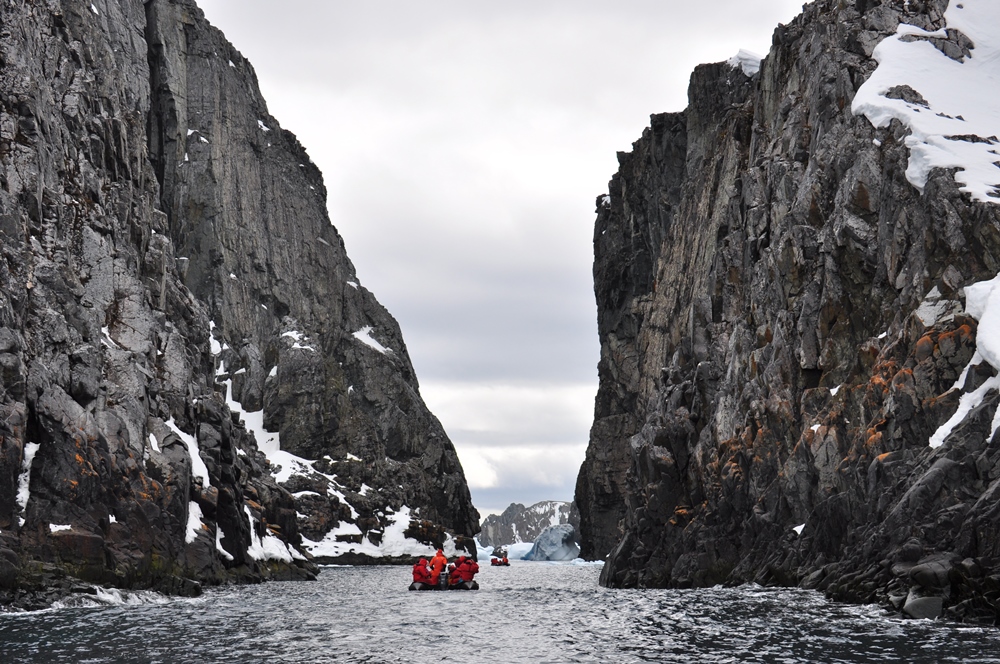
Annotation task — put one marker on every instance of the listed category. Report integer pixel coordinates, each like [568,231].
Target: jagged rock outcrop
[782,323]
[518,523]
[168,260]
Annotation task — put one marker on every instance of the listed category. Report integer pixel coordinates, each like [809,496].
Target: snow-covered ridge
[957,123]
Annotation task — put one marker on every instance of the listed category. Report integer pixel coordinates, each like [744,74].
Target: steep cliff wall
[770,385]
[168,269]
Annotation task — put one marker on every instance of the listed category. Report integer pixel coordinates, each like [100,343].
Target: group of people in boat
[460,574]
[498,562]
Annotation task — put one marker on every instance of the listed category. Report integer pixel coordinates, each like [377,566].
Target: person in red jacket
[420,572]
[465,570]
[471,569]
[458,573]
[438,563]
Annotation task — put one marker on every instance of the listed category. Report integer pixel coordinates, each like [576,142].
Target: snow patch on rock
[748,61]
[198,467]
[24,479]
[364,335]
[954,125]
[195,523]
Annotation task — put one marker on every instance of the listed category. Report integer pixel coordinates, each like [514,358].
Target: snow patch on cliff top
[958,125]
[748,61]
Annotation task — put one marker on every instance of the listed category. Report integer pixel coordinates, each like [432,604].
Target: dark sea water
[529,612]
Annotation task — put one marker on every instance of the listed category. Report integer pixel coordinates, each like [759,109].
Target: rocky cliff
[518,523]
[784,332]
[194,385]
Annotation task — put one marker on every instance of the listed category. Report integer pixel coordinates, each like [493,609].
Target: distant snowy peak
[748,61]
[518,523]
[942,86]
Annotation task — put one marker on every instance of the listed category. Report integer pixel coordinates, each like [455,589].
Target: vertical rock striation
[783,329]
[168,266]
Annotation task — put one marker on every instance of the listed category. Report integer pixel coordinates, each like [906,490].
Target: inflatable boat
[462,585]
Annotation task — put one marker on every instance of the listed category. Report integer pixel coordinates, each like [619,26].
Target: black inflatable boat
[463,585]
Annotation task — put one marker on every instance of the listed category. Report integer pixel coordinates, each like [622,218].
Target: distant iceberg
[520,550]
[556,543]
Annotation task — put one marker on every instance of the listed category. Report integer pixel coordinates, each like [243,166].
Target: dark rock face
[146,197]
[518,523]
[781,319]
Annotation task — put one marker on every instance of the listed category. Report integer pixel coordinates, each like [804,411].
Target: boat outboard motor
[443,580]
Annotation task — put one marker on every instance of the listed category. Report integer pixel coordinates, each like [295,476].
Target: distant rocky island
[195,387]
[518,523]
[798,372]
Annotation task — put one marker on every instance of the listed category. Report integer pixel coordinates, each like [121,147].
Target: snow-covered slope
[951,105]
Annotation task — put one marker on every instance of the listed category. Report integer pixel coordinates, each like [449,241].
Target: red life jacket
[421,574]
[466,570]
[438,563]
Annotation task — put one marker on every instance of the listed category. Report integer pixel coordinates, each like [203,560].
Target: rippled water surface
[529,612]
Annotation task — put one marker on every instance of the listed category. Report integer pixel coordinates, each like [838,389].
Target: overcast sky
[463,145]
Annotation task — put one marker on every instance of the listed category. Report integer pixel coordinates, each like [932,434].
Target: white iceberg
[556,543]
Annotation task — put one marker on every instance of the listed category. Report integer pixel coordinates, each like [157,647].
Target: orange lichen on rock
[924,348]
[680,518]
[903,379]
